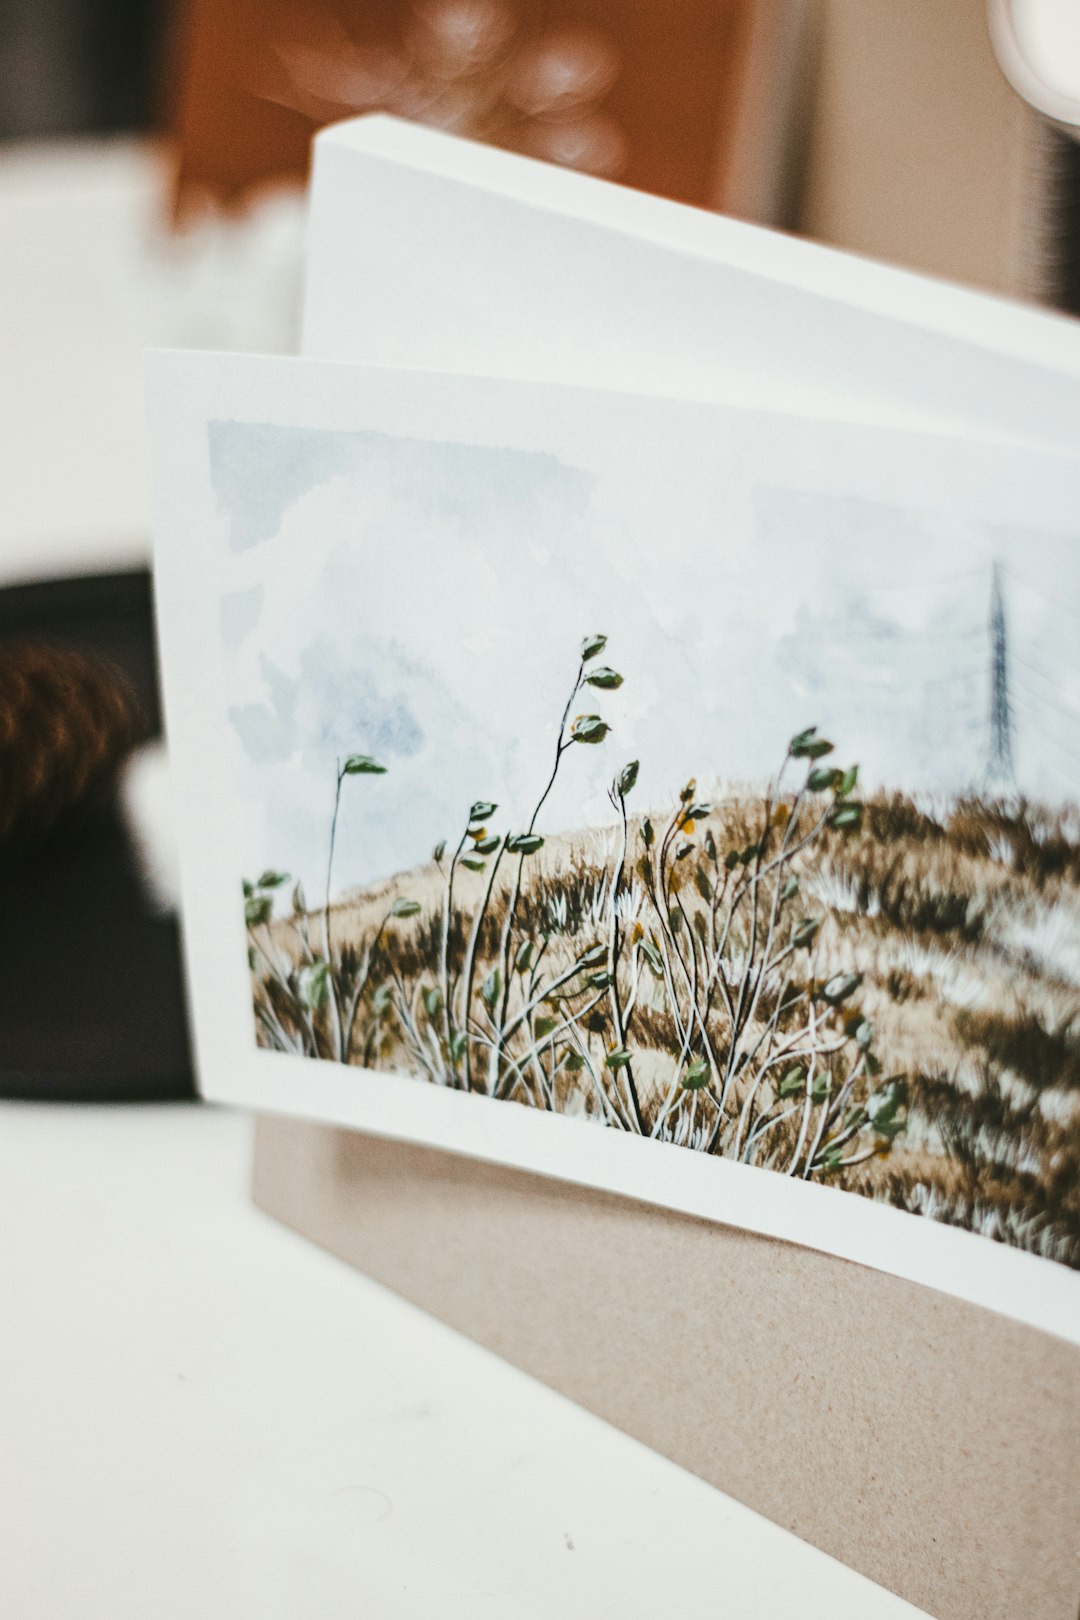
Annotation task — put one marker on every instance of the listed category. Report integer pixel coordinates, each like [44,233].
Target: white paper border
[185,392]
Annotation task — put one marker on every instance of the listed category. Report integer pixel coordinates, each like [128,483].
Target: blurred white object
[147,808]
[90,276]
[1038,45]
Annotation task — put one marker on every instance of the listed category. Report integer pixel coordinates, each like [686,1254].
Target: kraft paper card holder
[930,1445]
[314,525]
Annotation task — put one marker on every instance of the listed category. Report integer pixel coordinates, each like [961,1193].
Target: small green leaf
[794,1080]
[272,880]
[433,1001]
[313,984]
[362,765]
[458,1042]
[618,1059]
[524,843]
[683,851]
[608,680]
[487,846]
[647,833]
[847,782]
[404,908]
[704,887]
[864,1034]
[710,845]
[821,1089]
[808,745]
[883,1108]
[593,957]
[675,920]
[790,889]
[653,957]
[589,728]
[731,859]
[482,810]
[697,1075]
[471,864]
[698,812]
[248,890]
[599,981]
[805,930]
[822,778]
[542,1027]
[846,814]
[624,782]
[840,987]
[592,646]
[574,1062]
[439,851]
[523,957]
[299,903]
[490,989]
[258,910]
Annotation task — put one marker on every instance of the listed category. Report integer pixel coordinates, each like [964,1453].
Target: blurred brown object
[691,99]
[921,152]
[67,721]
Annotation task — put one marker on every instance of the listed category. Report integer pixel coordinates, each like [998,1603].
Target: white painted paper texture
[679,800]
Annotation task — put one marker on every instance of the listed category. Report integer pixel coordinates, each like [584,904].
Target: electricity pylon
[999,780]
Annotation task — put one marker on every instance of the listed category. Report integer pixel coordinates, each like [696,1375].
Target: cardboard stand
[931,1445]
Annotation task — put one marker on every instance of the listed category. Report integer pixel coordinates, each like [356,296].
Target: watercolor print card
[676,800]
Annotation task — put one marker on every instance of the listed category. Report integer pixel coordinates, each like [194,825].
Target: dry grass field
[922,1045]
[883,992]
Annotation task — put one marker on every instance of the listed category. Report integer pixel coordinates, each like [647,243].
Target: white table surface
[202,1415]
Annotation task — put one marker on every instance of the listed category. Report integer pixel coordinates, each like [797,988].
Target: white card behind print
[433,252]
[663,526]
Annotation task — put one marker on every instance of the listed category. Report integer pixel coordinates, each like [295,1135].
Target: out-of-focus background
[153,156]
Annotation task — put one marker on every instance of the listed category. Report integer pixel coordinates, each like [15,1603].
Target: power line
[1048,705]
[1040,591]
[1030,664]
[1044,735]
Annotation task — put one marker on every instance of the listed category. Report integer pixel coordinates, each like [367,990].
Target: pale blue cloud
[259,471]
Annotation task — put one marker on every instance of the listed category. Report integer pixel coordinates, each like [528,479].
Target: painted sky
[424,602]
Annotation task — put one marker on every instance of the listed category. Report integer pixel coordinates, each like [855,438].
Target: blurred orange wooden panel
[664,95]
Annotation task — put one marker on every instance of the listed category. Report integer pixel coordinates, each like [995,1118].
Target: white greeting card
[432,252]
[673,799]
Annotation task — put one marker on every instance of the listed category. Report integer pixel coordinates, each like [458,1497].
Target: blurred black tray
[92,1006]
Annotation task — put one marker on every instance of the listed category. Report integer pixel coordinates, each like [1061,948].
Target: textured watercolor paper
[675,800]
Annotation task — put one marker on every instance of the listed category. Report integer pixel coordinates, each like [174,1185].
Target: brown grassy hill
[890,1000]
